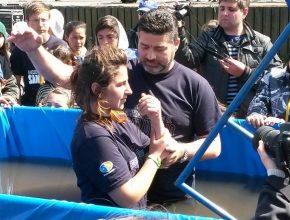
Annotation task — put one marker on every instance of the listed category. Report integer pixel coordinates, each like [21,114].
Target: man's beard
[159,69]
[156,70]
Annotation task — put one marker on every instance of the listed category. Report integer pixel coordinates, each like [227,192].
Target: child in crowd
[63,53]
[75,35]
[9,91]
[59,98]
[109,31]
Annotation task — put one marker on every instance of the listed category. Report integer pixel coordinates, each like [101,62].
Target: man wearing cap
[144,6]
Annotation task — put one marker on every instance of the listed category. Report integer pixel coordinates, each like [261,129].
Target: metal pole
[223,120]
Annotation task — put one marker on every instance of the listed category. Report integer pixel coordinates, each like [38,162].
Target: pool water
[55,179]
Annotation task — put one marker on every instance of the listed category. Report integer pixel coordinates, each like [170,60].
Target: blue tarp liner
[21,207]
[37,132]
[47,132]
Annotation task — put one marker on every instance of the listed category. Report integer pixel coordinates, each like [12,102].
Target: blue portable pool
[29,132]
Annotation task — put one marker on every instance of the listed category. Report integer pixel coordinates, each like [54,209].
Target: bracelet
[157,161]
[184,157]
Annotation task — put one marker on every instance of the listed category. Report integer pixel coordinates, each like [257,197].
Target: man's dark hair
[159,22]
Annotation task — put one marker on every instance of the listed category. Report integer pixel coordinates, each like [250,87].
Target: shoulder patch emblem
[106,167]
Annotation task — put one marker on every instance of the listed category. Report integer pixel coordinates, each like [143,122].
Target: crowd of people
[149,96]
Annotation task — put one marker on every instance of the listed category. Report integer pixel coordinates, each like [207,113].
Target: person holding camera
[274,199]
[181,11]
[228,54]
[271,103]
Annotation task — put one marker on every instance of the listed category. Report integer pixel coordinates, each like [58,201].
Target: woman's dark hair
[99,66]
[109,22]
[71,26]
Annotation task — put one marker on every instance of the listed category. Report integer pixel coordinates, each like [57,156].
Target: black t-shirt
[189,109]
[104,160]
[22,66]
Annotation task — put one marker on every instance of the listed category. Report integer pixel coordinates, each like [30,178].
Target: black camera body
[181,11]
[277,144]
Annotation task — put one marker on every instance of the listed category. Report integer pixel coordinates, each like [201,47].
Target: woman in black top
[108,150]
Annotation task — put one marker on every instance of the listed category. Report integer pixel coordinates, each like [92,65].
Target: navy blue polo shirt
[104,160]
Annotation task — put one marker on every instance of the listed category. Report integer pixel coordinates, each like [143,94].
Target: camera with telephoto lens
[277,144]
[181,11]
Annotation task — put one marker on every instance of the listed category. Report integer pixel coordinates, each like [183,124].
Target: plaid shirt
[272,95]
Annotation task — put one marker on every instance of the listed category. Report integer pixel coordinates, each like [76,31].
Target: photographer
[274,200]
[181,11]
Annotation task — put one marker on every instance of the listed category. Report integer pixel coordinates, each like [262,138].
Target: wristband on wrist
[276,172]
[184,157]
[157,161]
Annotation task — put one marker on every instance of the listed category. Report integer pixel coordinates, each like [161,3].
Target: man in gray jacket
[228,54]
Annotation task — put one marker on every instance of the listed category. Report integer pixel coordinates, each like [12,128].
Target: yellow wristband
[157,161]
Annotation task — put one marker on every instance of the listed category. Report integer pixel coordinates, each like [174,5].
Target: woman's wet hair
[99,67]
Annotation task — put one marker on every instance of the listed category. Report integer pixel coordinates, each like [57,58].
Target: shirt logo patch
[106,167]
[33,77]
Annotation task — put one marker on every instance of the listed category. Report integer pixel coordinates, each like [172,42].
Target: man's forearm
[213,151]
[50,67]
